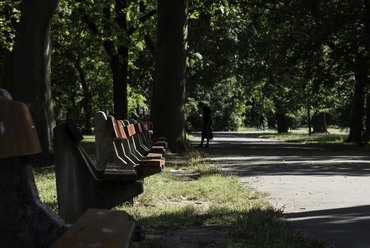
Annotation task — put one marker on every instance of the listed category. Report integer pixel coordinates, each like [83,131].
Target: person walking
[207,124]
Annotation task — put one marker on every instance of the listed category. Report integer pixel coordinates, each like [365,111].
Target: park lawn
[211,199]
[333,140]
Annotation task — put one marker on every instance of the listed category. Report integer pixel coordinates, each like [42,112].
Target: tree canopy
[287,63]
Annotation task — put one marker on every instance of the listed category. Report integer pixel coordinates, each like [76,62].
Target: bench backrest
[116,129]
[74,131]
[18,136]
[130,130]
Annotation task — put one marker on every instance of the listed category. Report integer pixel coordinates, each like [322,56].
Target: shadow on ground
[295,168]
[247,155]
[345,225]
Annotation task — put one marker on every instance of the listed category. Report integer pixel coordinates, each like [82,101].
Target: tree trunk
[86,99]
[120,94]
[118,59]
[367,119]
[319,123]
[358,102]
[309,120]
[169,86]
[282,126]
[30,82]
[119,67]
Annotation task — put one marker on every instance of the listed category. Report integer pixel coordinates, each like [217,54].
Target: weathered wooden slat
[130,130]
[121,130]
[18,136]
[113,129]
[118,172]
[99,228]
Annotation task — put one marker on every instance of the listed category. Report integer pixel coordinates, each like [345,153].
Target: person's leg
[207,145]
[202,140]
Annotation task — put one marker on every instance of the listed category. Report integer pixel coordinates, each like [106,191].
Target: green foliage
[284,56]
[82,80]
[135,101]
[9,18]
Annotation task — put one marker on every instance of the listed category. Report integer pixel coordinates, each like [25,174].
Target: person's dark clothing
[207,123]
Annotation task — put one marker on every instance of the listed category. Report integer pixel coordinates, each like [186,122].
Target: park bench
[100,228]
[25,220]
[147,128]
[138,150]
[113,144]
[83,183]
[143,146]
[146,142]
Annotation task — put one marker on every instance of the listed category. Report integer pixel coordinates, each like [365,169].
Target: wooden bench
[150,127]
[83,183]
[99,228]
[141,153]
[25,220]
[147,128]
[142,143]
[145,166]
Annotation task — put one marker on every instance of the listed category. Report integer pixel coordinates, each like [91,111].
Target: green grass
[46,185]
[334,140]
[214,199]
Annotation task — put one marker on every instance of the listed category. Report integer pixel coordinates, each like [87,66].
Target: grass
[333,140]
[46,185]
[213,199]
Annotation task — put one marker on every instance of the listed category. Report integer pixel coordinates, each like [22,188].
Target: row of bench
[125,154]
[87,188]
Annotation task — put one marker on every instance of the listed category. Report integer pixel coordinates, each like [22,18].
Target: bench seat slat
[153,163]
[99,228]
[154,155]
[116,172]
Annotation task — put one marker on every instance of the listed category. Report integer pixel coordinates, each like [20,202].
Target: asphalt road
[325,194]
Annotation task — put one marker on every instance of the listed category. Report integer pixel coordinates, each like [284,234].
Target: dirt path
[325,194]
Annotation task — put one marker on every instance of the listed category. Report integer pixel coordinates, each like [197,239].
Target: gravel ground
[323,193]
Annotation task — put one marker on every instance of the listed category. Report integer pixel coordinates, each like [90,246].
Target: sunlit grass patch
[334,139]
[46,185]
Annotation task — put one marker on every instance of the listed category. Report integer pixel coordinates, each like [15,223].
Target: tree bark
[282,125]
[358,102]
[309,120]
[169,87]
[319,123]
[119,67]
[29,81]
[367,119]
[86,99]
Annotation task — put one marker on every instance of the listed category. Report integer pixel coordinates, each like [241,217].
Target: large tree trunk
[119,68]
[29,81]
[169,87]
[319,123]
[358,102]
[367,119]
[118,60]
[282,125]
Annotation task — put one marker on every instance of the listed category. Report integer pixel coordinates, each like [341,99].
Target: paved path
[326,194]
